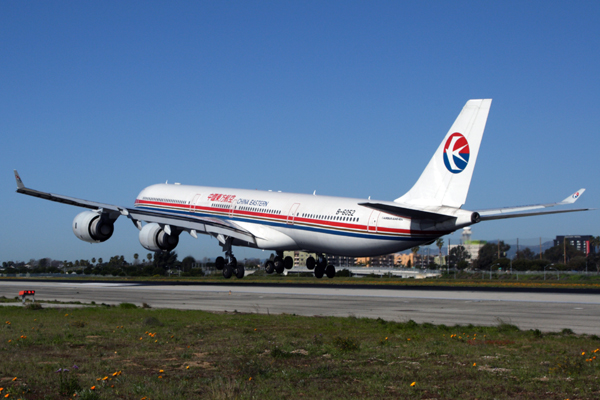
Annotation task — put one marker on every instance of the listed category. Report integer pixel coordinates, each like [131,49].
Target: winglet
[19,181]
[573,198]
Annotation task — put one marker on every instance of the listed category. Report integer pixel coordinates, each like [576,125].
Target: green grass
[132,353]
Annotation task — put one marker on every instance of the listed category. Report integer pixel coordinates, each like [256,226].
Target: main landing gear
[320,266]
[230,267]
[279,263]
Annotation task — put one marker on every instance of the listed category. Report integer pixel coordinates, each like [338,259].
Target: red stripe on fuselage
[284,218]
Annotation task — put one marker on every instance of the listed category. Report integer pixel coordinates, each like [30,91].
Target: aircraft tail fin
[446,179]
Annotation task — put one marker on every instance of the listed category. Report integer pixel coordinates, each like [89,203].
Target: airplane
[308,222]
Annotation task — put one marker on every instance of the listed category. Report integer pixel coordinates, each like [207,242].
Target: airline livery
[315,224]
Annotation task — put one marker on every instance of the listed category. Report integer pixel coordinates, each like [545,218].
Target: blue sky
[348,98]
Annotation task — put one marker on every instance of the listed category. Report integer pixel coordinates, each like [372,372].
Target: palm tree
[135,257]
[440,243]
[149,257]
[414,250]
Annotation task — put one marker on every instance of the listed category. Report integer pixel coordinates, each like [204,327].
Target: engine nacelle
[90,227]
[154,238]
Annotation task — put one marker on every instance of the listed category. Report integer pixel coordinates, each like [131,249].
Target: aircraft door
[233,206]
[195,202]
[292,214]
[373,221]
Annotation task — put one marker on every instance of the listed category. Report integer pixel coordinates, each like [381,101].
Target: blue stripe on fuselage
[290,226]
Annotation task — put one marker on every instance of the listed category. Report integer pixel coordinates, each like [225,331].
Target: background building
[472,246]
[580,242]
[299,257]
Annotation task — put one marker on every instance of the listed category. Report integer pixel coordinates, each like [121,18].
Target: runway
[530,310]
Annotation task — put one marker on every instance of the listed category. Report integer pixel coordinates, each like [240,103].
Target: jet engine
[154,238]
[93,227]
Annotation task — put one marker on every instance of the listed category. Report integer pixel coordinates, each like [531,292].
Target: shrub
[278,353]
[345,343]
[33,306]
[151,321]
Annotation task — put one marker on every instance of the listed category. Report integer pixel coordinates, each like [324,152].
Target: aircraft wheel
[319,270]
[220,263]
[330,271]
[278,261]
[239,272]
[227,272]
[288,262]
[233,262]
[269,267]
[310,263]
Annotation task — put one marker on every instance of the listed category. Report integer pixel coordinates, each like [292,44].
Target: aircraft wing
[191,224]
[194,224]
[62,199]
[518,211]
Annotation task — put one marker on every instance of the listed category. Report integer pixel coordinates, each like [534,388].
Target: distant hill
[535,247]
[533,244]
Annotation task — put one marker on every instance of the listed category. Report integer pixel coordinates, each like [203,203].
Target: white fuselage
[286,221]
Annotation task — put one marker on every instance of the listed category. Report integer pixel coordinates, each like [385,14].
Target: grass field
[127,352]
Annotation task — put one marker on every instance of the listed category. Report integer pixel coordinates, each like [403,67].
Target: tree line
[158,263]
[494,256]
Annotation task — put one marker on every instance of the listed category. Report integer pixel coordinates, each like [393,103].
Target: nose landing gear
[231,267]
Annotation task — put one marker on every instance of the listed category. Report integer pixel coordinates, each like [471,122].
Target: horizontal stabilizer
[501,211]
[532,214]
[407,212]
